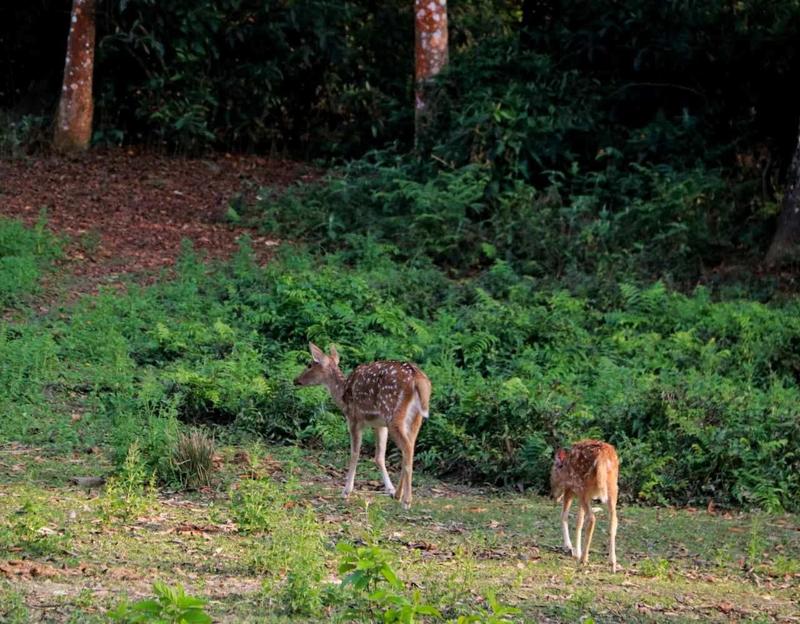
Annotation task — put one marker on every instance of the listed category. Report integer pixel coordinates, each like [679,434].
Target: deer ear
[316,353]
[561,456]
[334,355]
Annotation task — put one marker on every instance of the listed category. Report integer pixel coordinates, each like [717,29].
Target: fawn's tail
[422,386]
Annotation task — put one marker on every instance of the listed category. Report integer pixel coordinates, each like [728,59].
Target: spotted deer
[390,397]
[587,471]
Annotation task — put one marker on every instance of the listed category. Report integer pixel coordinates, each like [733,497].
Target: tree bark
[73,129]
[784,246]
[431,52]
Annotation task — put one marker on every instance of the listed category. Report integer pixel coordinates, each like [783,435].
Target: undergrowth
[699,395]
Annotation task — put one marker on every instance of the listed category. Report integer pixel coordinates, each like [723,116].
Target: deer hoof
[346,493]
[390,492]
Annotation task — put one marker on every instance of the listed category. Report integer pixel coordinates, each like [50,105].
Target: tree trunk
[74,120]
[784,246]
[430,53]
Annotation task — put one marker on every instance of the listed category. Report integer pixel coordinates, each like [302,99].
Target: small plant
[170,606]
[497,613]
[258,505]
[654,568]
[401,609]
[130,492]
[193,458]
[366,566]
[296,562]
[755,543]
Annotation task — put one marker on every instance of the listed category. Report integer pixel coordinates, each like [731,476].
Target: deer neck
[335,386]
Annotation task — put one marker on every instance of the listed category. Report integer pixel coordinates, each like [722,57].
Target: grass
[99,388]
[457,545]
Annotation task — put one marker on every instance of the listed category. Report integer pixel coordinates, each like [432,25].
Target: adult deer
[588,470]
[390,397]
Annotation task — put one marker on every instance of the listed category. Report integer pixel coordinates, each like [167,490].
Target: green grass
[456,545]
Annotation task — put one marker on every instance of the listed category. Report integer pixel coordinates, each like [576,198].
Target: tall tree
[75,108]
[785,244]
[430,23]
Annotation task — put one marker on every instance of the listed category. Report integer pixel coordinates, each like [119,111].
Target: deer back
[380,389]
[586,469]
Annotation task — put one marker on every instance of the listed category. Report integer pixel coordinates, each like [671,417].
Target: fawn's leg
[612,529]
[576,550]
[567,501]
[408,457]
[381,435]
[400,438]
[589,529]
[355,449]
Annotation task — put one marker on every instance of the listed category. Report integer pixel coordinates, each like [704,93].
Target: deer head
[322,370]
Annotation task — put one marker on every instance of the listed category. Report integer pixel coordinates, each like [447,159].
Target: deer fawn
[390,397]
[588,470]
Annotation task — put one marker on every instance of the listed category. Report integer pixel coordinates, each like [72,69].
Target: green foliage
[365,567]
[258,505]
[311,75]
[400,609]
[654,568]
[497,613]
[132,491]
[699,395]
[24,255]
[293,559]
[22,134]
[170,606]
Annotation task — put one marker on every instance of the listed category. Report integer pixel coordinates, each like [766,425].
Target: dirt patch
[125,211]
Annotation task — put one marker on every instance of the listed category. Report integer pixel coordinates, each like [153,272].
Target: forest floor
[124,212]
[457,545]
[68,553]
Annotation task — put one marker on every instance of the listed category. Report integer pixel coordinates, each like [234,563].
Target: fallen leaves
[20,568]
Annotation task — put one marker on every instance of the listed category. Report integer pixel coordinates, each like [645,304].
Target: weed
[497,613]
[654,568]
[575,608]
[365,567]
[170,606]
[259,504]
[400,609]
[130,492]
[756,542]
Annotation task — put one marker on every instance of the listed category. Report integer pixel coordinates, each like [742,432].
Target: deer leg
[381,435]
[576,550]
[406,448]
[355,449]
[414,420]
[612,530]
[589,530]
[565,521]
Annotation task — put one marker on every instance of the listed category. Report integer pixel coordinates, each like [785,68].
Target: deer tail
[422,387]
[602,466]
